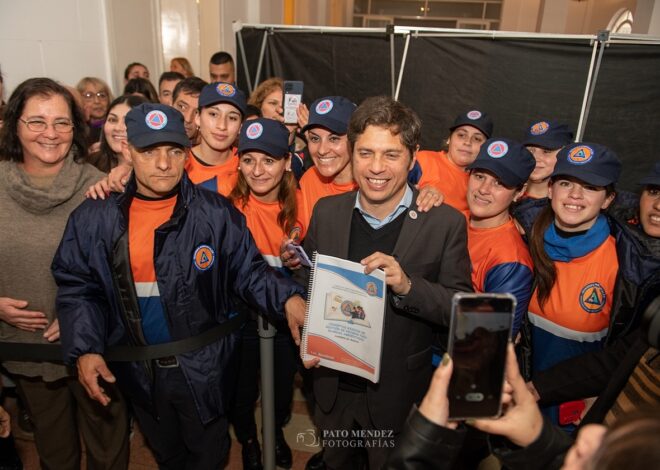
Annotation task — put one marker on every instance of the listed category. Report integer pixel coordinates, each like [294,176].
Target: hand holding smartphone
[293,91]
[479,332]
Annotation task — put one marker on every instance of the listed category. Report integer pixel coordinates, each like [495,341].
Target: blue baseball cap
[265,135]
[592,163]
[510,161]
[549,135]
[332,113]
[474,118]
[653,178]
[154,123]
[221,92]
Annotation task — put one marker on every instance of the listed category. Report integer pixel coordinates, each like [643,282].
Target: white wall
[520,15]
[64,39]
[180,27]
[647,17]
[553,16]
[134,36]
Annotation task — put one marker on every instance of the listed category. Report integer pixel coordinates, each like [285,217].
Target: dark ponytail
[545,273]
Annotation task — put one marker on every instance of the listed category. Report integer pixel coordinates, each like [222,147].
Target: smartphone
[479,331]
[300,253]
[293,91]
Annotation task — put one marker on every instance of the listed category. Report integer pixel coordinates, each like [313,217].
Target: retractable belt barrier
[124,353]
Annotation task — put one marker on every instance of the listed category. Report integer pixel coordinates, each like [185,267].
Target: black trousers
[347,432]
[247,389]
[177,436]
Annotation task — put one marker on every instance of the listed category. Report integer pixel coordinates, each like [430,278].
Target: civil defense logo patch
[539,128]
[156,120]
[580,155]
[497,149]
[204,257]
[254,131]
[295,233]
[225,89]
[592,297]
[474,114]
[324,107]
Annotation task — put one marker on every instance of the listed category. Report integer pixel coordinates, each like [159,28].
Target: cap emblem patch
[474,115]
[156,120]
[580,155]
[254,131]
[539,128]
[324,107]
[497,149]
[225,89]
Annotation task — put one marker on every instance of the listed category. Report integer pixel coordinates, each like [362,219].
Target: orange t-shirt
[261,218]
[145,216]
[313,187]
[219,178]
[450,179]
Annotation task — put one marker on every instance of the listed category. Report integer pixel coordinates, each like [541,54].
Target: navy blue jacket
[97,304]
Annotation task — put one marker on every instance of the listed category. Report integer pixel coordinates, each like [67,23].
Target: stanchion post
[267,334]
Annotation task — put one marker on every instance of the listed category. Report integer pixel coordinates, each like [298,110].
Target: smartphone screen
[293,91]
[478,336]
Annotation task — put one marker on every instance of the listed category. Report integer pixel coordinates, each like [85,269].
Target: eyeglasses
[102,95]
[37,125]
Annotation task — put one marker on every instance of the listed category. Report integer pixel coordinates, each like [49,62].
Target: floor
[299,434]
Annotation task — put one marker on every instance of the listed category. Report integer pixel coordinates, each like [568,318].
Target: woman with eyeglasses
[42,180]
[96,96]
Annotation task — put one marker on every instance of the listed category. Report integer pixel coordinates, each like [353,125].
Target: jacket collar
[187,193]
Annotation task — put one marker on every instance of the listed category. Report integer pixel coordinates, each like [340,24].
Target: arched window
[621,22]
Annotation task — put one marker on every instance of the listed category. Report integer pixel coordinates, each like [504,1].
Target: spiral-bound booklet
[345,317]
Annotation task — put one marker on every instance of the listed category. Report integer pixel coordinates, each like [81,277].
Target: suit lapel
[411,228]
[412,225]
[343,221]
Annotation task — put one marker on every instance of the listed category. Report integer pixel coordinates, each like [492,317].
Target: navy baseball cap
[549,135]
[510,161]
[474,118]
[332,113]
[265,135]
[592,163]
[653,177]
[154,123]
[221,92]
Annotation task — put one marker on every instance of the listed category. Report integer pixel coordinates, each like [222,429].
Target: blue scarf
[567,249]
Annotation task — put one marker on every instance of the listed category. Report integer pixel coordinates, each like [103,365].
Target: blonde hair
[185,65]
[97,83]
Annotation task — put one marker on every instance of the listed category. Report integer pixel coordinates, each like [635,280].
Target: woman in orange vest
[575,262]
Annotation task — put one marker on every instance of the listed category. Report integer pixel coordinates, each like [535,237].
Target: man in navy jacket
[159,266]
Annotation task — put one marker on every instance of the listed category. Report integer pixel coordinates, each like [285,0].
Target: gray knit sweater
[32,220]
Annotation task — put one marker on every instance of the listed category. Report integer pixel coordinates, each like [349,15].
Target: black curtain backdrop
[517,81]
[625,112]
[354,66]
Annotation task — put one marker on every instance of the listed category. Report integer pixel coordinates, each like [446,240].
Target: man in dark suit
[425,259]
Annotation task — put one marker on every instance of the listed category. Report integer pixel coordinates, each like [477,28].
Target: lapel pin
[413,215]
